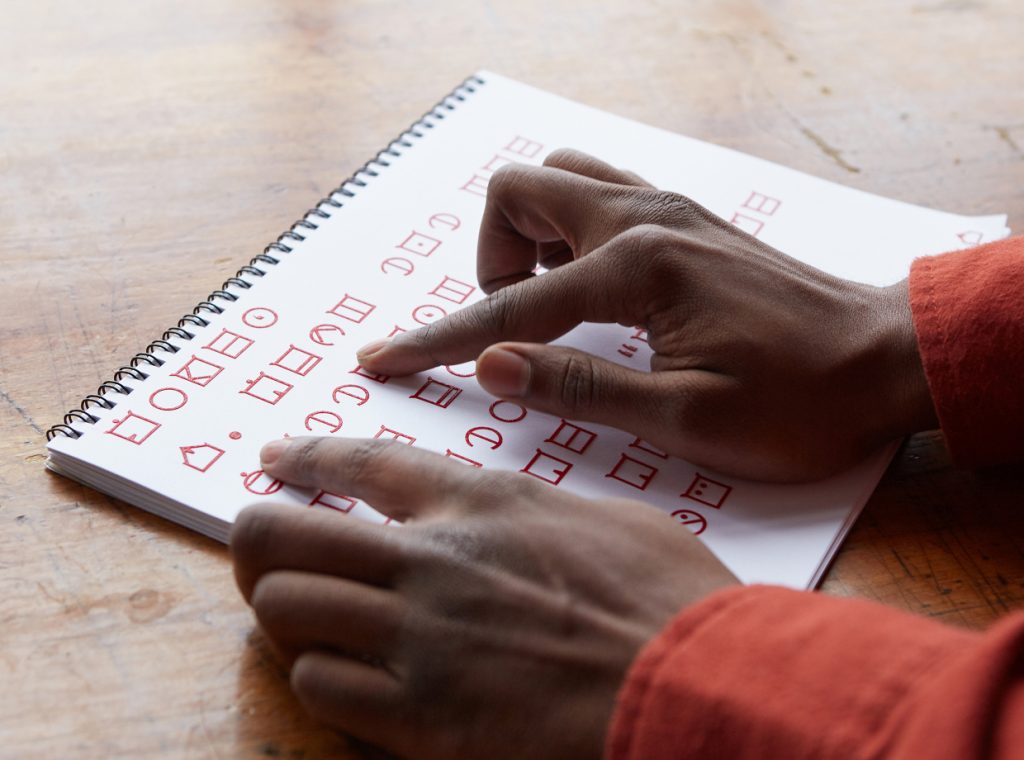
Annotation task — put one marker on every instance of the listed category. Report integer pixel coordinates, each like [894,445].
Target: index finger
[527,205]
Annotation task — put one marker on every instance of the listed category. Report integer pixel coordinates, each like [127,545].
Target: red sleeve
[764,672]
[968,311]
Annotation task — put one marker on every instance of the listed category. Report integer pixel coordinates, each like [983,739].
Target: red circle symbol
[260,317]
[428,313]
[500,404]
[234,435]
[695,521]
[168,399]
[259,483]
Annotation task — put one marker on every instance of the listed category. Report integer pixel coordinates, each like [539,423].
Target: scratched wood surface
[146,149]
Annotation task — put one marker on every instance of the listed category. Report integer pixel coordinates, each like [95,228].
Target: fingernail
[503,373]
[371,348]
[272,451]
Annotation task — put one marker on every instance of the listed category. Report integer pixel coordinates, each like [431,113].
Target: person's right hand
[763,367]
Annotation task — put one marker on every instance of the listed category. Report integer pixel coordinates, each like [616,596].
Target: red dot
[234,435]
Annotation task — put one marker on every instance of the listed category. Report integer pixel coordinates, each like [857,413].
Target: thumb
[575,385]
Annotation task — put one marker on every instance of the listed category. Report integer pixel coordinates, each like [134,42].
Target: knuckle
[507,179]
[494,315]
[578,384]
[666,207]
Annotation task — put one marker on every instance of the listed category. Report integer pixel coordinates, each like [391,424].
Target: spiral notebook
[177,430]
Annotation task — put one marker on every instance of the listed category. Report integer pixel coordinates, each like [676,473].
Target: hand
[763,367]
[498,622]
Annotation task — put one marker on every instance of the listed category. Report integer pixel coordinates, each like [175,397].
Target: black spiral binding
[286,242]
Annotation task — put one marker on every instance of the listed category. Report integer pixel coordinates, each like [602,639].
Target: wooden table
[146,149]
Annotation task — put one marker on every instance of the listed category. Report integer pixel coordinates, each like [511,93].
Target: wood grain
[147,149]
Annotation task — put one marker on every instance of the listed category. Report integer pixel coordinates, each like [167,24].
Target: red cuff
[968,310]
[755,672]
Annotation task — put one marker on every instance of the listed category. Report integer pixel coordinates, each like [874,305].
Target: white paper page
[400,253]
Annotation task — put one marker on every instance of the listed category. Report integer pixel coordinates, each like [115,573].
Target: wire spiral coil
[285,244]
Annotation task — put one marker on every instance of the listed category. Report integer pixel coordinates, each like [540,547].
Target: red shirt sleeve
[968,311]
[764,672]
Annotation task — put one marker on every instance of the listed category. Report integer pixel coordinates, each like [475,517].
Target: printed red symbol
[495,163]
[707,491]
[200,457]
[134,428]
[386,432]
[357,392]
[632,472]
[352,309]
[420,244]
[501,404]
[234,435]
[398,264]
[748,224]
[469,369]
[444,220]
[267,388]
[548,468]
[477,185]
[260,317]
[198,371]
[459,458]
[453,290]
[320,333]
[627,350]
[692,520]
[229,344]
[428,313]
[640,333]
[369,375]
[259,483]
[761,203]
[336,501]
[970,237]
[523,147]
[572,437]
[395,330]
[437,393]
[493,441]
[168,399]
[639,443]
[329,420]
[297,360]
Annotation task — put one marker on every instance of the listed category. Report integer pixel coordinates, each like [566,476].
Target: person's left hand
[499,621]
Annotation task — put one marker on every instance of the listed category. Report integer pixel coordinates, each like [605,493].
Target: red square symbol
[707,491]
[548,468]
[571,437]
[477,185]
[761,203]
[198,371]
[369,375]
[297,360]
[134,428]
[267,388]
[524,147]
[642,445]
[748,224]
[335,501]
[459,458]
[394,435]
[633,472]
[437,393]
[453,290]
[229,344]
[420,244]
[351,308]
